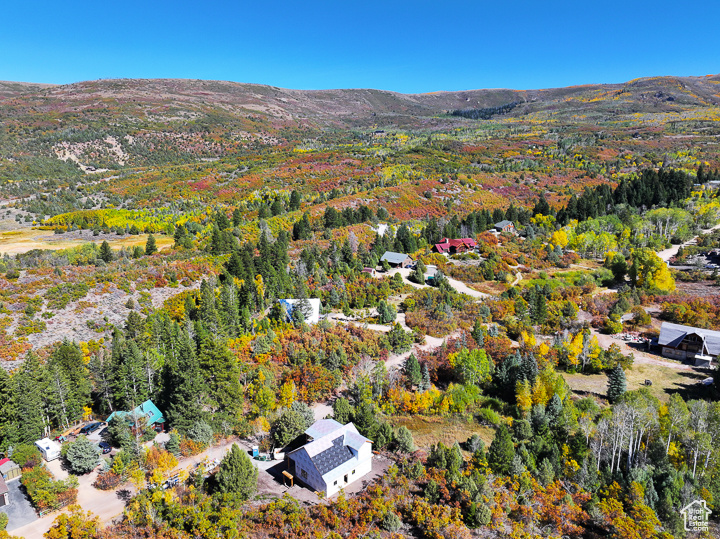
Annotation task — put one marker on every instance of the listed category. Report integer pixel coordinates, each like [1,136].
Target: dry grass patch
[665,381]
[428,431]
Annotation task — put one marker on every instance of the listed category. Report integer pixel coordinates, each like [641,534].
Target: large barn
[335,456]
[688,343]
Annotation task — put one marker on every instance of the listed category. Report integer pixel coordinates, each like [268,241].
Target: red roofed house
[447,246]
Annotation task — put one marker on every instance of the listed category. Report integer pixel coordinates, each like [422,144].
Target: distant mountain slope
[106,124]
[163,97]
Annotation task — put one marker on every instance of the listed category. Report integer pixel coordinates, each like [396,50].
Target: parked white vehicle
[50,450]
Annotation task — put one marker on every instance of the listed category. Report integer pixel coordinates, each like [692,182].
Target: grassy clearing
[428,431]
[665,382]
[27,239]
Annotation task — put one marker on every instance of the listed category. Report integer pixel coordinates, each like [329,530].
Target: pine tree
[82,456]
[425,383]
[501,452]
[173,443]
[7,411]
[237,475]
[342,410]
[404,440]
[222,379]
[184,396]
[106,253]
[150,246]
[617,384]
[412,371]
[477,333]
[294,201]
[30,390]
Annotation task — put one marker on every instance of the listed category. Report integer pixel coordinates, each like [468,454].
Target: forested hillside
[510,382]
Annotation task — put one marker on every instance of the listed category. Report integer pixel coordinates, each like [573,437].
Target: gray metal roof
[3,487]
[394,258]
[673,334]
[332,457]
[503,224]
[7,466]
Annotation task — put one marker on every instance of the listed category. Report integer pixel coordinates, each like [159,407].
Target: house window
[353,472]
[335,483]
[303,474]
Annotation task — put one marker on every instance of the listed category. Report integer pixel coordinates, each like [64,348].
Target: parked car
[90,427]
[105,447]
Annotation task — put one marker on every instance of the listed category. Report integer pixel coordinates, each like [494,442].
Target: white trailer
[50,450]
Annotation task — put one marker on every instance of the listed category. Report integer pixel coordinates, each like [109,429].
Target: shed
[9,470]
[397,260]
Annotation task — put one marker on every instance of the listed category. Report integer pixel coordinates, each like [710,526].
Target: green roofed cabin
[147,410]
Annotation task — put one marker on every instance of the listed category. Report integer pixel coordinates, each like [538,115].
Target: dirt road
[667,254]
[108,505]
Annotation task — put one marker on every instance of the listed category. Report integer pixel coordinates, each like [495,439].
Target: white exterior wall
[303,463]
[365,452]
[49,449]
[361,470]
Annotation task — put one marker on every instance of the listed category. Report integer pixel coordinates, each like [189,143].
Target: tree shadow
[124,494]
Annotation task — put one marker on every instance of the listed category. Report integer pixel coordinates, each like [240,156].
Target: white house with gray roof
[335,456]
[698,345]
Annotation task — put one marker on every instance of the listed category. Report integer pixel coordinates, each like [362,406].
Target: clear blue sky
[405,46]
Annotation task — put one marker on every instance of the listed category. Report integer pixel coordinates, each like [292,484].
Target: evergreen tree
[478,334]
[173,443]
[237,217]
[412,371]
[288,427]
[617,384]
[295,200]
[501,452]
[342,410]
[404,440]
[82,456]
[306,413]
[30,391]
[237,475]
[7,411]
[365,419]
[185,390]
[425,383]
[151,245]
[222,380]
[106,253]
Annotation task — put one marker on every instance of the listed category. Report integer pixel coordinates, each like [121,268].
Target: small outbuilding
[397,260]
[505,226]
[49,449]
[9,470]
